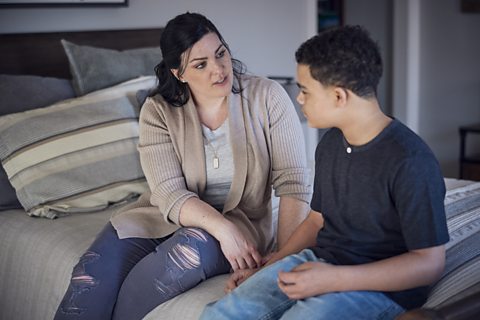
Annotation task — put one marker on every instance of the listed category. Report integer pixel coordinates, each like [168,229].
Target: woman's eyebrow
[205,58]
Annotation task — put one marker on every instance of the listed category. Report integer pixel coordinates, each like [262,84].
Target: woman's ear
[175,73]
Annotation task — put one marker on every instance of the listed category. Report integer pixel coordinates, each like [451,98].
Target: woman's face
[208,68]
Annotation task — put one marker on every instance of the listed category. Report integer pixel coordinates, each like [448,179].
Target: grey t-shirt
[379,200]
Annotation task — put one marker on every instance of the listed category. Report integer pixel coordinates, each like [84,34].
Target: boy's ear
[341,96]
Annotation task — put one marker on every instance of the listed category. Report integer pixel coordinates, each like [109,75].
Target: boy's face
[317,101]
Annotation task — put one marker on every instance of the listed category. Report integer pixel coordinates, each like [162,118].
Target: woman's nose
[217,67]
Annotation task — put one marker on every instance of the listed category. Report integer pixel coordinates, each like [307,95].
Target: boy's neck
[365,123]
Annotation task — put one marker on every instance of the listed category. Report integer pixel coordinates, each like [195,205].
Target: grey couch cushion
[190,304]
[21,93]
[97,68]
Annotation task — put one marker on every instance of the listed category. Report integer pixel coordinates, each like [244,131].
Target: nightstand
[469,164]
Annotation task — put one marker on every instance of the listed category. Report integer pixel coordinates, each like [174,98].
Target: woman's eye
[200,65]
[221,53]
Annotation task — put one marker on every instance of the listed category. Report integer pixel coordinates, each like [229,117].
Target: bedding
[81,154]
[21,93]
[95,68]
[38,263]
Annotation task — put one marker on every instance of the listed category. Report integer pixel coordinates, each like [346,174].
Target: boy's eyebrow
[205,58]
[300,86]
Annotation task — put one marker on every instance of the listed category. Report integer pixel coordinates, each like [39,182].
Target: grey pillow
[21,93]
[97,68]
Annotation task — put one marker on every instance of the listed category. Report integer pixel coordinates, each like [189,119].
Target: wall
[450,77]
[440,56]
[376,17]
[263,34]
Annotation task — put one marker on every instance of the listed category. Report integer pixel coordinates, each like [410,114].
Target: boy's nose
[300,99]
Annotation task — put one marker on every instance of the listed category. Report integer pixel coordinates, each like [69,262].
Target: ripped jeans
[127,278]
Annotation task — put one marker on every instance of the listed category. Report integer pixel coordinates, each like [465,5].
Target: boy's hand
[238,277]
[307,280]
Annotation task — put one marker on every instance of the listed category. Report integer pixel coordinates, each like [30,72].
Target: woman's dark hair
[179,35]
[343,56]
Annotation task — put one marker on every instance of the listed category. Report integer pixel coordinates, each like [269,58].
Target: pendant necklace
[216,161]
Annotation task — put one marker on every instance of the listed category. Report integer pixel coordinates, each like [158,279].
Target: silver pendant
[216,163]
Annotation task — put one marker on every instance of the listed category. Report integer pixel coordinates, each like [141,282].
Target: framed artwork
[59,3]
[470,6]
[330,13]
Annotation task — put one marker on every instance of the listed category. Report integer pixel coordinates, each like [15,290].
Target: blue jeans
[127,278]
[260,298]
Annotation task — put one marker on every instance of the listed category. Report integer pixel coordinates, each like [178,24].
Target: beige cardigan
[268,150]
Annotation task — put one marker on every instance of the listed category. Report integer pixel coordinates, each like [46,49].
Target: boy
[375,235]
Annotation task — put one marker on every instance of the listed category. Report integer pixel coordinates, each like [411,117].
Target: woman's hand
[240,252]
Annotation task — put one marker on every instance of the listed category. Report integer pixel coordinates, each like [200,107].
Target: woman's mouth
[220,82]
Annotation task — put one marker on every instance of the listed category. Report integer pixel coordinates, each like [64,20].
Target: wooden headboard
[42,53]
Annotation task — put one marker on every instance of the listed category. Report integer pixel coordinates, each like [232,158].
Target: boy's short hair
[343,56]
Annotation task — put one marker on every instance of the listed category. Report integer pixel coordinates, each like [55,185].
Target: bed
[93,83]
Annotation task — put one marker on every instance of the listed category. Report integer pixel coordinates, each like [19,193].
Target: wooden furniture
[469,162]
[42,54]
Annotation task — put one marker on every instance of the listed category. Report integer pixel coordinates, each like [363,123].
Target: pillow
[77,155]
[142,95]
[461,276]
[97,68]
[20,93]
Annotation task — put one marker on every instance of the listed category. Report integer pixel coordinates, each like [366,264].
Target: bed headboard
[42,53]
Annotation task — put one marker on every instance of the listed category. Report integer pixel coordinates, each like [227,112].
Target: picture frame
[61,3]
[470,6]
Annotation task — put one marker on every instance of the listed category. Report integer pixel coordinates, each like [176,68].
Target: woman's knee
[196,249]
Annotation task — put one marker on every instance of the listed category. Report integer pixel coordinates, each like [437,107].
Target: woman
[213,141]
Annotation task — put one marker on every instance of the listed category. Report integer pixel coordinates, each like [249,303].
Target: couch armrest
[463,309]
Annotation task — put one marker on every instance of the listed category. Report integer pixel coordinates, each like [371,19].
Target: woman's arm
[240,252]
[290,173]
[166,180]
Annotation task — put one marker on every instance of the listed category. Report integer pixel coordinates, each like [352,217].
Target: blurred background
[431,52]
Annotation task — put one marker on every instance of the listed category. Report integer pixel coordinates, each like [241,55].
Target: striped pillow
[78,155]
[462,269]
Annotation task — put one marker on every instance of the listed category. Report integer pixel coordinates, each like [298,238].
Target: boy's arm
[409,270]
[303,237]
[292,212]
